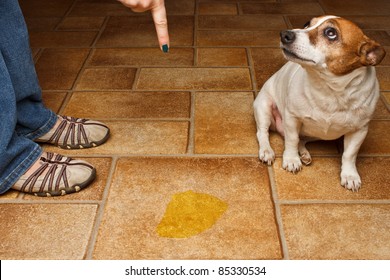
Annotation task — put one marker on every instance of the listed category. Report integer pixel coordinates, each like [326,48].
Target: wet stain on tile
[190,213]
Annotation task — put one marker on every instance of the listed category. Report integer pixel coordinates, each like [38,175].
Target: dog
[326,90]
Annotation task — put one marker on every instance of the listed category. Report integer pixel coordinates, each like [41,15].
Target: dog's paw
[267,155]
[351,181]
[292,164]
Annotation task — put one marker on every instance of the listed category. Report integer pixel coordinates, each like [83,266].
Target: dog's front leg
[291,159]
[350,178]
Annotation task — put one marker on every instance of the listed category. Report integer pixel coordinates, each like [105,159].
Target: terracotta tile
[99,9]
[218,9]
[242,22]
[93,191]
[336,231]
[267,61]
[53,100]
[381,111]
[106,78]
[386,60]
[80,23]
[232,38]
[45,231]
[140,31]
[182,7]
[61,39]
[298,21]
[383,74]
[381,37]
[386,96]
[371,22]
[377,140]
[142,57]
[58,68]
[224,123]
[222,57]
[138,137]
[356,7]
[247,230]
[321,180]
[42,23]
[45,8]
[281,8]
[122,105]
[194,79]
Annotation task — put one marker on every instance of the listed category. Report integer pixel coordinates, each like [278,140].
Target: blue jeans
[23,117]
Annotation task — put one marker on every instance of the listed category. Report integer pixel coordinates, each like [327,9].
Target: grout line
[252,70]
[191,134]
[278,214]
[100,212]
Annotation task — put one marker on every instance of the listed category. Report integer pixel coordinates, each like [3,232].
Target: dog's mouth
[292,56]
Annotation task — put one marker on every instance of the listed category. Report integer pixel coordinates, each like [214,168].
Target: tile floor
[183,121]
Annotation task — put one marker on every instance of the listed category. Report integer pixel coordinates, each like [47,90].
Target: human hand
[159,15]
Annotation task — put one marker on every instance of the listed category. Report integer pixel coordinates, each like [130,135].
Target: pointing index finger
[160,21]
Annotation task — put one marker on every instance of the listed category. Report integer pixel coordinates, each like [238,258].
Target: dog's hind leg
[303,152]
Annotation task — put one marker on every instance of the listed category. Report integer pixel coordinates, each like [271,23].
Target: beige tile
[222,57]
[218,9]
[242,22]
[356,7]
[53,100]
[122,105]
[383,74]
[142,188]
[10,194]
[321,180]
[224,123]
[57,69]
[377,140]
[80,23]
[235,38]
[138,137]
[267,61]
[43,39]
[142,57]
[140,32]
[94,191]
[45,231]
[194,79]
[106,78]
[282,8]
[336,231]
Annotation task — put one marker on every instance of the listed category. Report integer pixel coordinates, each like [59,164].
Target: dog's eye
[331,33]
[307,24]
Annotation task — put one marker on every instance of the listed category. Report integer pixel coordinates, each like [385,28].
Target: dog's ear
[371,53]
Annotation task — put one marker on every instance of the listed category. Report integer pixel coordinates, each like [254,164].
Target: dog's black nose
[287,36]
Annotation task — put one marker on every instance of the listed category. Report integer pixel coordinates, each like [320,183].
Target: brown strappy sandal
[75,133]
[56,175]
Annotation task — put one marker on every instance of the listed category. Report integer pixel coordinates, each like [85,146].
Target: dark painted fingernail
[165,48]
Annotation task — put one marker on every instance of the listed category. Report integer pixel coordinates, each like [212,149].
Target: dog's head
[332,43]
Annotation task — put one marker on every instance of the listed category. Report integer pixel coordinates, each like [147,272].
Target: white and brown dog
[328,89]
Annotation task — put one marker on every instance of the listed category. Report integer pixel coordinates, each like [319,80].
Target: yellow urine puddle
[189,214]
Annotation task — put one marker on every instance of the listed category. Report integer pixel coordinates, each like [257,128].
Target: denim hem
[20,169]
[44,129]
